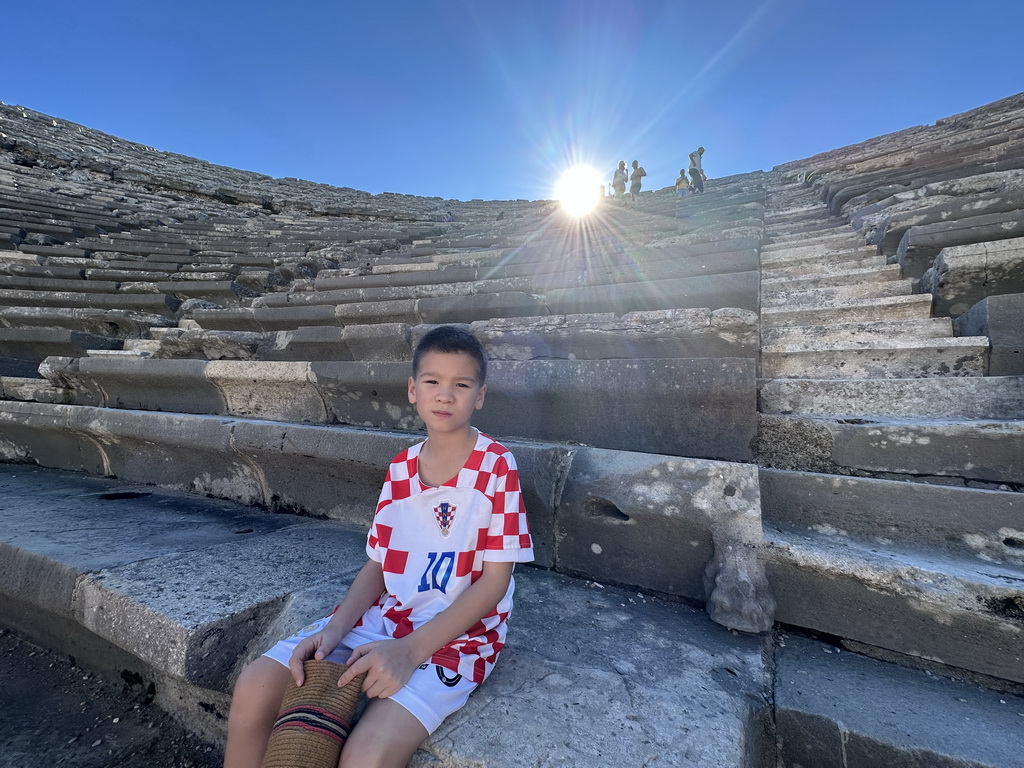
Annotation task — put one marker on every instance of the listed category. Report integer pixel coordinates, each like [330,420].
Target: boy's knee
[260,685]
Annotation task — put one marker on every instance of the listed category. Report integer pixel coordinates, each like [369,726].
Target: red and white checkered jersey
[432,544]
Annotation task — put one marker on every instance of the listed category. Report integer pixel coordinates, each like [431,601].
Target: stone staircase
[745,400]
[925,526]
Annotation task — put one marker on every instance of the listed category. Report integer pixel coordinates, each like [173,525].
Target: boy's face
[446,390]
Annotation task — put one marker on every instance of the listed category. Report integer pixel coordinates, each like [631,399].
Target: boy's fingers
[298,673]
[354,670]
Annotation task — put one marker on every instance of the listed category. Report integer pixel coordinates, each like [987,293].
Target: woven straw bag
[314,720]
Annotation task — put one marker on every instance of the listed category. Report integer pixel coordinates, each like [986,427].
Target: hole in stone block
[1013,543]
[595,507]
[119,495]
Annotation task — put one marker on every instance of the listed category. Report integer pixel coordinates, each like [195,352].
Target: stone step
[965,397]
[42,270]
[809,267]
[895,308]
[149,303]
[976,453]
[32,390]
[834,297]
[36,344]
[110,322]
[961,612]
[879,358]
[802,244]
[260,318]
[823,234]
[976,525]
[877,273]
[812,256]
[778,228]
[930,328]
[977,727]
[77,284]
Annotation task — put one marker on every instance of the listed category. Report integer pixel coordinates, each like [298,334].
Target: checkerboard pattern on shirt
[432,544]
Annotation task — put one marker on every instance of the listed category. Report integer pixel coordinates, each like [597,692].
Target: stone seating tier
[921,244]
[976,453]
[113,322]
[37,344]
[713,412]
[846,196]
[987,398]
[714,503]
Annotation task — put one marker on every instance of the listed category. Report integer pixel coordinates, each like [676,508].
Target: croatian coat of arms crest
[444,513]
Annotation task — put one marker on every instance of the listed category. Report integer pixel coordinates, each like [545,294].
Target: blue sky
[474,98]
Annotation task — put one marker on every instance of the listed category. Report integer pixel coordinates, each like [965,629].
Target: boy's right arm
[366,589]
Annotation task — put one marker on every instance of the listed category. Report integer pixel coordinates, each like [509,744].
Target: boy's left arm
[390,663]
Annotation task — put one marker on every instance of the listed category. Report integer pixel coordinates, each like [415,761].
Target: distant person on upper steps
[696,171]
[635,182]
[682,184]
[619,180]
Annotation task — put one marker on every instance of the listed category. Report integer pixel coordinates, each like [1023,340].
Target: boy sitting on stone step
[425,618]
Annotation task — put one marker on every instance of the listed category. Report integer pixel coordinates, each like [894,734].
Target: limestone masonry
[796,401]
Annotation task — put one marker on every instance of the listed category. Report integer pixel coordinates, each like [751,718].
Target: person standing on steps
[635,182]
[696,172]
[619,180]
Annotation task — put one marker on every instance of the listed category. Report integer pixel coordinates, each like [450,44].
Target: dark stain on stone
[1007,606]
[120,495]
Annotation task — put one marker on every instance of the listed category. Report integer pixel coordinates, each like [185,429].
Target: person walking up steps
[635,182]
[425,618]
[696,172]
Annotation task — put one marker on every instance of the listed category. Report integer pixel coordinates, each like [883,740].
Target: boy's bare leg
[254,707]
[386,736]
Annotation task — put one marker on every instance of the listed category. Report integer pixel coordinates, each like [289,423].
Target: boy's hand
[388,665]
[312,647]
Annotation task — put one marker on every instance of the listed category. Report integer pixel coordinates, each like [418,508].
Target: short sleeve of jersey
[508,538]
[397,485]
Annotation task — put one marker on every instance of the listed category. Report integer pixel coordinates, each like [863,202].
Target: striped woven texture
[314,720]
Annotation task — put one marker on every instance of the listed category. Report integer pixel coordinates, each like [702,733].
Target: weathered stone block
[921,244]
[963,275]
[682,526]
[1001,319]
[981,525]
[273,390]
[705,408]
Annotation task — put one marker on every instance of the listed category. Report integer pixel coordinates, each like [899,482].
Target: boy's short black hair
[450,338]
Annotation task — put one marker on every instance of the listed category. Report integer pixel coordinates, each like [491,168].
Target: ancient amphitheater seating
[747,400]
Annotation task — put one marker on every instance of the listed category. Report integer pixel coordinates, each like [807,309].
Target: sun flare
[579,190]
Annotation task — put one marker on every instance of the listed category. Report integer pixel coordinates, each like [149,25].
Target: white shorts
[431,694]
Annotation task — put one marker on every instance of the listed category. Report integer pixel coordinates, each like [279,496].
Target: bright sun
[579,190]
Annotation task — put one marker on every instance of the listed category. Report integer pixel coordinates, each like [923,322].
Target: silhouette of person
[619,180]
[635,182]
[696,172]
